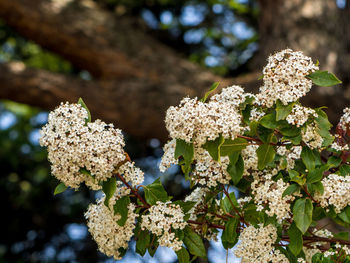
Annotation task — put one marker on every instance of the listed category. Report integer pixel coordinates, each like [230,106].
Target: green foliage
[109,187]
[183,256]
[282,111]
[295,239]
[302,214]
[236,167]
[213,147]
[60,188]
[229,236]
[266,153]
[82,103]
[291,189]
[185,151]
[143,240]
[155,192]
[194,243]
[211,90]
[323,78]
[121,207]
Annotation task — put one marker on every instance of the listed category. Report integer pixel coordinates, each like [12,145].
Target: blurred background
[130,60]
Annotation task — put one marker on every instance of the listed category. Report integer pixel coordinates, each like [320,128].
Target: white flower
[256,245]
[168,157]
[300,115]
[311,136]
[336,192]
[162,220]
[73,145]
[103,226]
[285,77]
[345,119]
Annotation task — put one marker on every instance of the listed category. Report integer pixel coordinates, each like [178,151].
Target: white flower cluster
[285,77]
[261,249]
[291,155]
[270,193]
[197,195]
[345,119]
[208,172]
[195,121]
[250,159]
[162,220]
[74,145]
[109,236]
[300,115]
[336,146]
[256,114]
[311,136]
[168,157]
[336,192]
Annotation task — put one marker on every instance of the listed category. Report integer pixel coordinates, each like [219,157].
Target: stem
[323,239]
[133,190]
[233,206]
[209,225]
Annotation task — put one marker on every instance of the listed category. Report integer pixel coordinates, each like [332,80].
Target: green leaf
[230,146]
[315,175]
[323,78]
[60,188]
[315,187]
[291,131]
[264,133]
[333,161]
[186,151]
[194,243]
[82,103]
[213,147]
[226,205]
[282,111]
[183,256]
[109,187]
[121,208]
[295,239]
[302,214]
[266,153]
[345,215]
[344,170]
[295,177]
[155,192]
[269,121]
[290,190]
[212,89]
[142,242]
[308,158]
[229,236]
[236,169]
[342,235]
[185,206]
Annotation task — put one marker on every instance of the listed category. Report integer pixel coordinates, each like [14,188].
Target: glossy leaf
[266,153]
[323,78]
[308,158]
[291,189]
[194,243]
[236,169]
[231,146]
[211,90]
[183,256]
[109,187]
[155,192]
[82,103]
[302,214]
[60,189]
[186,151]
[295,239]
[213,147]
[282,111]
[121,208]
[143,240]
[229,236]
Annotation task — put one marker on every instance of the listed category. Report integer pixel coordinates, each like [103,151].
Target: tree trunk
[136,78]
[318,28]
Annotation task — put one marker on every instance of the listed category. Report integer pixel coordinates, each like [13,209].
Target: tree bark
[136,78]
[318,28]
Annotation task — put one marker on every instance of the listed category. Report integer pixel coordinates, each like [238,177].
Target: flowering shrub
[291,173]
